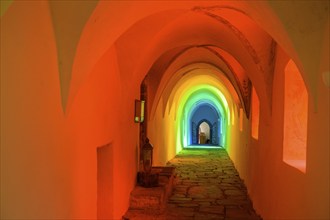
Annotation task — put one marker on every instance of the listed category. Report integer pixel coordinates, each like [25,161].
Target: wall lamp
[139,111]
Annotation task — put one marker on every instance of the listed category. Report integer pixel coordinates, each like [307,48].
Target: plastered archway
[115,48]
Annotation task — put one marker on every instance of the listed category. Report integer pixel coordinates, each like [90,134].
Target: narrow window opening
[232,117]
[255,114]
[295,118]
[241,119]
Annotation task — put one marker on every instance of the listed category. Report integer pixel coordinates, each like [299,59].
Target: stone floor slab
[206,186]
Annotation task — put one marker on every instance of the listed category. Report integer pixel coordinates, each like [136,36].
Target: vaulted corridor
[96,95]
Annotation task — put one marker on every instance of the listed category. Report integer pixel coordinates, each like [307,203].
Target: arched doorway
[205,125]
[204,132]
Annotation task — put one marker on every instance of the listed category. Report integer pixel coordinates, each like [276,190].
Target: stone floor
[207,186]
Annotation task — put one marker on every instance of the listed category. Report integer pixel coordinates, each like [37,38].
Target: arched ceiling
[247,30]
[215,60]
[223,46]
[193,84]
[202,97]
[194,88]
[197,74]
[204,103]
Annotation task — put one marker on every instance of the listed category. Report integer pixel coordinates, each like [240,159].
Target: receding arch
[210,74]
[204,111]
[204,96]
[106,37]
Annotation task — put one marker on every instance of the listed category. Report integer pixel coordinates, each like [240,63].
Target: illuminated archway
[175,103]
[196,101]
[204,129]
[199,95]
[204,111]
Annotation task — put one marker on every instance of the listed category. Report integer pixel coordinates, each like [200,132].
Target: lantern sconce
[139,111]
[148,177]
[147,156]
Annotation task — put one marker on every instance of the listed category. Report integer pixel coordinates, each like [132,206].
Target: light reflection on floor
[203,146]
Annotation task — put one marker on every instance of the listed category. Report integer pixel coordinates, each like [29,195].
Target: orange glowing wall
[60,137]
[279,190]
[98,116]
[295,118]
[49,156]
[292,188]
[37,156]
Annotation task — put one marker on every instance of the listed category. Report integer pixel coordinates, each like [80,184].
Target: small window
[255,114]
[295,118]
[232,117]
[241,119]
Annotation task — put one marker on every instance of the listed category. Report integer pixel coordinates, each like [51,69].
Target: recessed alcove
[295,118]
[255,115]
[104,181]
[241,115]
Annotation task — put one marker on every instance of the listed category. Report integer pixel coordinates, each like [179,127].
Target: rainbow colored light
[193,90]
